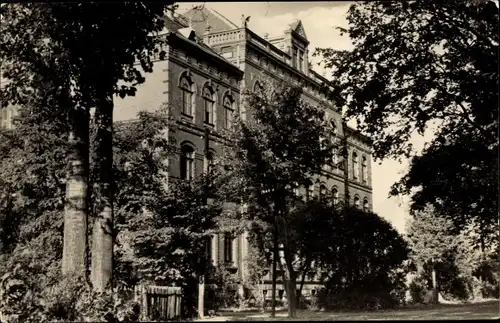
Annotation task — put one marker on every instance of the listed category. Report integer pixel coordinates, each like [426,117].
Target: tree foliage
[418,63]
[463,269]
[361,258]
[151,221]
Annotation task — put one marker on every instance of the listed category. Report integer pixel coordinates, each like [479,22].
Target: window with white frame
[355,166]
[335,196]
[364,169]
[209,104]
[187,96]
[366,206]
[187,162]
[228,104]
[356,201]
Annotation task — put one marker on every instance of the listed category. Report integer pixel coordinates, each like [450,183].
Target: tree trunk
[291,296]
[435,299]
[103,235]
[290,284]
[274,274]
[74,260]
[304,274]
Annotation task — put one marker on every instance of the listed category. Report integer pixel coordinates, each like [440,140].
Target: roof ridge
[222,16]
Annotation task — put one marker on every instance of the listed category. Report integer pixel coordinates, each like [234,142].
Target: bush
[418,288]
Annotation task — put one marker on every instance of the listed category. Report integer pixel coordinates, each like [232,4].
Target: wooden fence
[161,303]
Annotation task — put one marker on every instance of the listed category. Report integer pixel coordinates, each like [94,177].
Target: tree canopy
[418,63]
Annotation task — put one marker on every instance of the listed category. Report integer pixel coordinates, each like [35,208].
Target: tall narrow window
[209,102]
[187,97]
[228,111]
[187,162]
[365,205]
[294,57]
[228,248]
[335,195]
[356,201]
[364,170]
[355,166]
[301,61]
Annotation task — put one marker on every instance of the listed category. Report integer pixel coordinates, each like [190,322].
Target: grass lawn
[485,310]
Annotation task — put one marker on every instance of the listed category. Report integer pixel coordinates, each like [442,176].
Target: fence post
[145,307]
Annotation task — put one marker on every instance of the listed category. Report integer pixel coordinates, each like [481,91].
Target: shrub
[417,290]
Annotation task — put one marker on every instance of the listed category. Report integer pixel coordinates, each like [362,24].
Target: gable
[300,30]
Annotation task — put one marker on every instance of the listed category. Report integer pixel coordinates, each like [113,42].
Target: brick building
[209,62]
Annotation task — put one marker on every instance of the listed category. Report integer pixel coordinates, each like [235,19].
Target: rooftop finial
[244,21]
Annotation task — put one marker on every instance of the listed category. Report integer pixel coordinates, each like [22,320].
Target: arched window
[355,165]
[208,95]
[356,201]
[335,195]
[322,191]
[187,96]
[364,169]
[228,104]
[365,205]
[187,162]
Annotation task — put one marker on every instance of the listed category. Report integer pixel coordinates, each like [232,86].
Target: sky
[319,20]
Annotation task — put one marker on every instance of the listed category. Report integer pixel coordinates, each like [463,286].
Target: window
[294,57]
[6,115]
[335,195]
[228,248]
[310,192]
[301,61]
[187,97]
[356,201]
[355,169]
[365,205]
[209,102]
[187,162]
[364,170]
[322,191]
[228,111]
[209,161]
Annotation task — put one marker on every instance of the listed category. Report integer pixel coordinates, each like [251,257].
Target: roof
[200,18]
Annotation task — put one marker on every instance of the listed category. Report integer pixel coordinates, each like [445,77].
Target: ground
[485,310]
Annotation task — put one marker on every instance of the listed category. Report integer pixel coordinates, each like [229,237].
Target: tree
[277,150]
[416,63]
[33,170]
[97,46]
[432,240]
[362,258]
